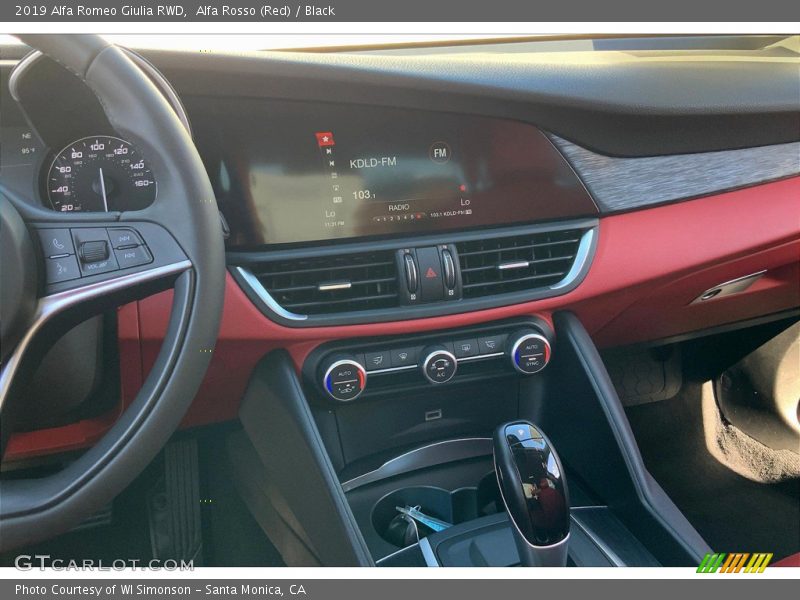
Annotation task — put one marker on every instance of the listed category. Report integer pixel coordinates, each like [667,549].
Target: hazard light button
[431,282]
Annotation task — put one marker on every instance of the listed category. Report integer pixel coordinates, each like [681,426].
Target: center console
[334,460]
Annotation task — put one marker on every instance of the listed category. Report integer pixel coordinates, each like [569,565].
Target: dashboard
[542,186]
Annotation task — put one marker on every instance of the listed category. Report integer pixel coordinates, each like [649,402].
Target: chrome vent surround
[365,282]
[500,265]
[332,284]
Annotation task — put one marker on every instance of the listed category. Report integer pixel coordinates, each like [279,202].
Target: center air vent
[513,264]
[420,277]
[332,284]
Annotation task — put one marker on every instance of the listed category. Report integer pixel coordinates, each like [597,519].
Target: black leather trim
[18,290]
[303,487]
[76,56]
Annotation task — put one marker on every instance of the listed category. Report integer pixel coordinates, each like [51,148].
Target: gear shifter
[534,490]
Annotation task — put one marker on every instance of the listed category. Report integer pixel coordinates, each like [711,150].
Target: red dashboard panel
[648,267]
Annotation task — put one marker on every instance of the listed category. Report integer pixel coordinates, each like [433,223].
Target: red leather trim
[648,267]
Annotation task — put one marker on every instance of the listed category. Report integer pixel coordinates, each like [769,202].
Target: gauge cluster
[66,156]
[99,173]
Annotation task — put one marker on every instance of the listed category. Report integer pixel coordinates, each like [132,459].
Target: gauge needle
[103,188]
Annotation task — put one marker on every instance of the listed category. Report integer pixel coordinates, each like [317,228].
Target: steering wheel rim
[185,219]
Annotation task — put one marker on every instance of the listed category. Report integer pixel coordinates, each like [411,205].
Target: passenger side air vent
[332,284]
[520,263]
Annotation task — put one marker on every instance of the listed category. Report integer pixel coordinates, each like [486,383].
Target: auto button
[344,380]
[529,351]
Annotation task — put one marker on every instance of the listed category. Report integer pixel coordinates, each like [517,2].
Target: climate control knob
[439,364]
[344,379]
[529,350]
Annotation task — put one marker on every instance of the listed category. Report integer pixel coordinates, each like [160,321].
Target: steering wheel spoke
[88,267]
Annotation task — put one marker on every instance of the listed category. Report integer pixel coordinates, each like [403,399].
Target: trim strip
[581,262]
[260,291]
[427,553]
[431,455]
[612,556]
[416,366]
[619,183]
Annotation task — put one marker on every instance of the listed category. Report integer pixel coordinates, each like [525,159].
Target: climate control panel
[341,370]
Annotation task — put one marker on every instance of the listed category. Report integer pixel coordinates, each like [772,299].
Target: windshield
[410,44]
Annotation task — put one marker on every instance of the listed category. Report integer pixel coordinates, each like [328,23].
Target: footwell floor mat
[732,513]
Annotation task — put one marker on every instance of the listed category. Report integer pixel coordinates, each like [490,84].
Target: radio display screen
[300,172]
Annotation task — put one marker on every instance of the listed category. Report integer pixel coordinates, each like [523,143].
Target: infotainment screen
[297,172]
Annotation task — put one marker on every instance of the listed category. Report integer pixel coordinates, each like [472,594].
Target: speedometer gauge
[100,173]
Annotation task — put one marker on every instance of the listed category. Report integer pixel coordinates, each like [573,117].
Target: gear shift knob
[534,490]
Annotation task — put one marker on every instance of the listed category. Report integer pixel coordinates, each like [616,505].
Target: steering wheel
[182,231]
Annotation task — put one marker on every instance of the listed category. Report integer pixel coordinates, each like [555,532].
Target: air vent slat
[304,305]
[555,276]
[541,261]
[501,265]
[305,288]
[308,285]
[337,268]
[522,247]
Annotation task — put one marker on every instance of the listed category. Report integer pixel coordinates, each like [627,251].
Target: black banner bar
[284,11]
[729,587]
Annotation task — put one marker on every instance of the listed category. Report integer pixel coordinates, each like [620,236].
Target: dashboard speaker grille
[332,284]
[501,265]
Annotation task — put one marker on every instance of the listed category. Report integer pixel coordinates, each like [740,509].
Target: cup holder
[453,507]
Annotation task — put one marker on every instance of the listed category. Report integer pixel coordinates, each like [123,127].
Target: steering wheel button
[56,242]
[132,257]
[124,238]
[62,268]
[103,266]
[91,252]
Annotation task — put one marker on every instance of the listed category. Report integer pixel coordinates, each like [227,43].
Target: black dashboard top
[613,103]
